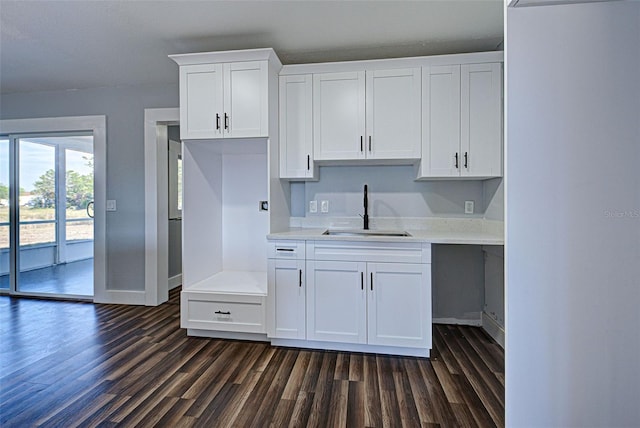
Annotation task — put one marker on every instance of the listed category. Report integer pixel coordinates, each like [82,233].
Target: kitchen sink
[362,232]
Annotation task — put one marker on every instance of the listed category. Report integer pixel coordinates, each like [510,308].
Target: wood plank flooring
[76,364]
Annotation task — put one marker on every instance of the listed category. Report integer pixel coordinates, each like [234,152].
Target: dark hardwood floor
[77,364]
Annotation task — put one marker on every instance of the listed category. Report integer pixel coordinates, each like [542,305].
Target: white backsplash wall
[392,193]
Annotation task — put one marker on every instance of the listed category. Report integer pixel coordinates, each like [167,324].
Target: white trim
[393,63]
[175,281]
[477,322]
[493,329]
[156,211]
[215,334]
[122,297]
[352,347]
[98,126]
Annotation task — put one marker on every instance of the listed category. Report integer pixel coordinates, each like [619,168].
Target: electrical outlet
[111,205]
[313,206]
[324,206]
[468,207]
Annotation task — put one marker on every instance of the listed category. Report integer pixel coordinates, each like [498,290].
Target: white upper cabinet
[481,120]
[372,115]
[201,102]
[296,127]
[441,121]
[462,121]
[393,114]
[338,116]
[227,100]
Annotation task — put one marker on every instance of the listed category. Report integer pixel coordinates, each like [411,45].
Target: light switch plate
[111,205]
[313,206]
[324,206]
[468,207]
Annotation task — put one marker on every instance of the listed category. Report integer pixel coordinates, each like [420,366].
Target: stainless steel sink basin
[362,232]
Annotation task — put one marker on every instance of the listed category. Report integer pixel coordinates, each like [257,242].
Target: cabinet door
[338,116]
[393,114]
[440,121]
[286,299]
[336,301]
[399,305]
[296,127]
[246,99]
[201,101]
[481,127]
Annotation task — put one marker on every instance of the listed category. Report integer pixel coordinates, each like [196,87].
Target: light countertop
[468,237]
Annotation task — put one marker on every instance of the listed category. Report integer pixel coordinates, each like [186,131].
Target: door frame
[97,126]
[156,203]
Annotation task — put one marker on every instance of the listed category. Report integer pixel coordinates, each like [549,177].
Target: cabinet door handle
[466,160]
[456,160]
[371,283]
[369,143]
[361,143]
[226,121]
[361,280]
[217,120]
[300,283]
[223,312]
[308,162]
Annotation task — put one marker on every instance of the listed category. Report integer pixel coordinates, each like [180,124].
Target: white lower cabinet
[286,299]
[337,301]
[399,304]
[371,295]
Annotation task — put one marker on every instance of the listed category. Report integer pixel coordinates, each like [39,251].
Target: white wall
[573,215]
[124,108]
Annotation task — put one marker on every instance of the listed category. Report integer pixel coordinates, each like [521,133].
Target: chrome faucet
[365,217]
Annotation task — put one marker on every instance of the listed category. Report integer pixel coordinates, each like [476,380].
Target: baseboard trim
[352,347]
[216,334]
[493,329]
[121,297]
[458,321]
[175,281]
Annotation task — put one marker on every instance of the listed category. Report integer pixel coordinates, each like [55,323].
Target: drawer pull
[371,281]
[284,249]
[223,312]
[300,278]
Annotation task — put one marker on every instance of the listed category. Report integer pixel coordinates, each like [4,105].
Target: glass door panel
[4,214]
[56,233]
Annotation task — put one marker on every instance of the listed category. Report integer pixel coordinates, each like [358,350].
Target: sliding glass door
[4,214]
[53,201]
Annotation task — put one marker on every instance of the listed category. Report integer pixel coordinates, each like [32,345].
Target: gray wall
[124,108]
[457,281]
[573,215]
[392,192]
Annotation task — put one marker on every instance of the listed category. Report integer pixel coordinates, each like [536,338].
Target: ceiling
[64,45]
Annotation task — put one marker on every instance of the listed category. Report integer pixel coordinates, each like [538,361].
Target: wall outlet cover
[468,207]
[111,205]
[324,206]
[313,206]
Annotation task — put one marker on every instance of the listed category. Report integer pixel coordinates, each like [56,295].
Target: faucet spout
[366,209]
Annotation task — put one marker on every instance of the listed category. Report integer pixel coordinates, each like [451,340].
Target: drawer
[223,312]
[285,249]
